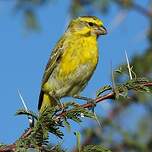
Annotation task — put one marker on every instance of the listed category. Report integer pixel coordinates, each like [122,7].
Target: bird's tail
[45,100]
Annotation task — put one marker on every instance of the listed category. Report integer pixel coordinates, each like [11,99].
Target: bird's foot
[93,103]
[60,106]
[89,100]
[82,97]
[57,101]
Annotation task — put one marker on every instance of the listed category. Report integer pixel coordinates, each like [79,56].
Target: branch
[102,98]
[111,116]
[110,95]
[136,7]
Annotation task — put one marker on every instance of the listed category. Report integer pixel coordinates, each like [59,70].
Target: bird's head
[87,26]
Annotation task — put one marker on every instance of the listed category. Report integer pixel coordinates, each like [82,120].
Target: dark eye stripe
[90,24]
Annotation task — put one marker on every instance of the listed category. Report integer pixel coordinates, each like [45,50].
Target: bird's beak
[101,30]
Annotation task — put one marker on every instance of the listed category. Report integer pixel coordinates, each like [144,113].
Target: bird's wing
[52,63]
[53,60]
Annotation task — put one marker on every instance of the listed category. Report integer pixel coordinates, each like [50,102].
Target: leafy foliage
[2,145]
[50,120]
[28,113]
[78,136]
[136,84]
[95,148]
[103,89]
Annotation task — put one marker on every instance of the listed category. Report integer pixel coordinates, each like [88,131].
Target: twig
[8,148]
[111,95]
[27,133]
[101,99]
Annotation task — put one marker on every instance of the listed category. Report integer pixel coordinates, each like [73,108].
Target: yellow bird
[72,61]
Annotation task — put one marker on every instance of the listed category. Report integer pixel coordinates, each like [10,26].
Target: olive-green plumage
[72,61]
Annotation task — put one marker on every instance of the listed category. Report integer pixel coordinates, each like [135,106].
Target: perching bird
[72,61]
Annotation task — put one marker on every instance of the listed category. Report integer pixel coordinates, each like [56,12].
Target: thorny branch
[110,95]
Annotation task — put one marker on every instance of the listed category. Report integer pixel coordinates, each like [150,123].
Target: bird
[72,61]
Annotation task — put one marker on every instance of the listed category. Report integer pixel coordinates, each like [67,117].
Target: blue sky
[23,56]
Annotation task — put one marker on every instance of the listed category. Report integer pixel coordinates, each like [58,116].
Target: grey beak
[101,30]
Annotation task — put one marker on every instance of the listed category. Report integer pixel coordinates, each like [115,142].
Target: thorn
[128,65]
[113,79]
[30,119]
[97,120]
[23,102]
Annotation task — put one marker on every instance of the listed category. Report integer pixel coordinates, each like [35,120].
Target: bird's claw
[93,103]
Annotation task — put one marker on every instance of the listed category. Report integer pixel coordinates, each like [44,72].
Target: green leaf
[117,92]
[103,89]
[119,71]
[95,148]
[137,84]
[147,89]
[125,91]
[67,124]
[76,119]
[75,113]
[121,90]
[2,145]
[78,136]
[27,113]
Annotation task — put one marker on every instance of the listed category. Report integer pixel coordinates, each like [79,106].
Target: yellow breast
[79,51]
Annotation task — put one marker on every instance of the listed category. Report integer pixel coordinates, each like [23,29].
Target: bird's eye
[90,24]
